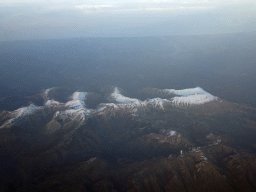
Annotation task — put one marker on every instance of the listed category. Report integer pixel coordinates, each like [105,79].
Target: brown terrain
[125,147]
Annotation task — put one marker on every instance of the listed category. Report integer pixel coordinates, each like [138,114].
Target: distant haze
[52,19]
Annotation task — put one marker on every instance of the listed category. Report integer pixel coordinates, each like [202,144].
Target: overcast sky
[50,19]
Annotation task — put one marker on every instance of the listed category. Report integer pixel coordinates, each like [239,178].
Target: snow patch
[57,114]
[158,102]
[215,143]
[79,95]
[72,114]
[171,133]
[106,105]
[52,103]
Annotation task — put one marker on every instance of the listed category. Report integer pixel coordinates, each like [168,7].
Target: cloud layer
[30,18]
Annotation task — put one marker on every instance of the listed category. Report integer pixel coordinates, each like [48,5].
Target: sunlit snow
[78,101]
[25,110]
[75,104]
[79,95]
[123,99]
[21,112]
[51,103]
[76,107]
[187,92]
[192,99]
[106,105]
[171,133]
[74,113]
[158,102]
[192,96]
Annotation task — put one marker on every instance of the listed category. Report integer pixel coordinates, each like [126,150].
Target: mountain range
[161,140]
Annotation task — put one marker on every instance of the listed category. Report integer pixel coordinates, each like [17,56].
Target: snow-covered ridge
[78,114]
[193,99]
[51,103]
[119,98]
[192,96]
[75,109]
[187,92]
[25,110]
[78,101]
[157,102]
[21,112]
[103,106]
[132,102]
[75,104]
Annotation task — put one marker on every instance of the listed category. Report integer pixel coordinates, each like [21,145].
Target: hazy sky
[37,19]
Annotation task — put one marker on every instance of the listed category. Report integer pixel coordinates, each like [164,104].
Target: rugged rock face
[172,140]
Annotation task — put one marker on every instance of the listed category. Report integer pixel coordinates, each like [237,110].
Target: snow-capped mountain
[187,97]
[178,140]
